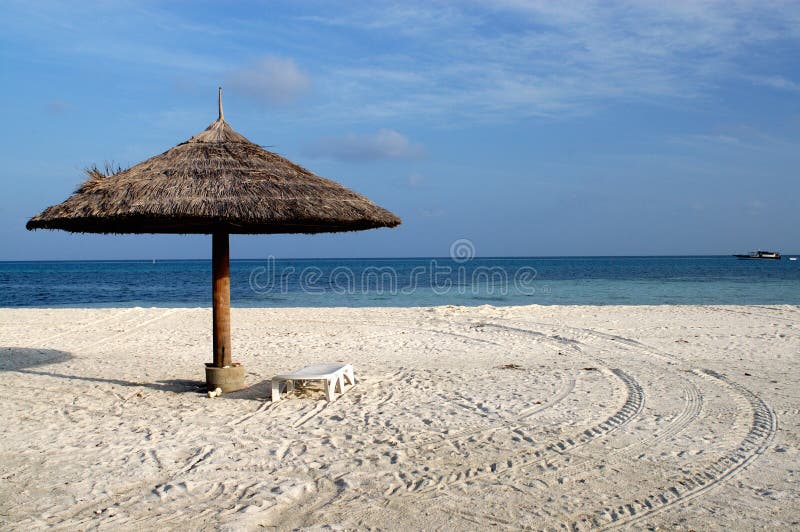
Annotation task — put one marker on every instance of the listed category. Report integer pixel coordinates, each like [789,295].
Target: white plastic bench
[332,375]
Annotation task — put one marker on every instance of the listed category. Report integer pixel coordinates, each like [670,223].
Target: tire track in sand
[701,479]
[527,457]
[698,481]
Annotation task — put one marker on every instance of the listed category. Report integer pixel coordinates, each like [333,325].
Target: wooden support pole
[221,294]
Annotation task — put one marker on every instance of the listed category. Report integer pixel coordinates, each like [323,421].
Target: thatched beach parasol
[217,183]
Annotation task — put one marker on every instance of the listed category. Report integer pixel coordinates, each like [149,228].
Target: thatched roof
[217,181]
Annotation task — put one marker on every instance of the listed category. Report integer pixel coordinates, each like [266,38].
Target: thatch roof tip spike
[221,114]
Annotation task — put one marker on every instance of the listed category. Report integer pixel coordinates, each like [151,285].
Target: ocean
[407,282]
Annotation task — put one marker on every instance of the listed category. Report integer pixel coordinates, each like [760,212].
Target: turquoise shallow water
[406,282]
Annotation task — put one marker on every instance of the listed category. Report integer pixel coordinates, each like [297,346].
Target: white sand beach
[673,417]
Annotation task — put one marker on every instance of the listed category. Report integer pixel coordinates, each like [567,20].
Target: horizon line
[419,257]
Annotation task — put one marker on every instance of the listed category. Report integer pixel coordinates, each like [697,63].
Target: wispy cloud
[383,144]
[540,58]
[777,82]
[271,80]
[415,180]
[755,206]
[444,62]
[733,137]
[431,212]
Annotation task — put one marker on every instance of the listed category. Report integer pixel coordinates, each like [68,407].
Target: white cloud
[432,212]
[415,180]
[733,137]
[755,206]
[435,61]
[777,82]
[271,80]
[383,144]
[540,58]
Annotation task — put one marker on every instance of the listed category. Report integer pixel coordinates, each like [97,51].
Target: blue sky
[530,128]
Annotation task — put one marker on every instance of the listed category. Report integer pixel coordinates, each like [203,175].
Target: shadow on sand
[19,358]
[28,360]
[170,385]
[260,391]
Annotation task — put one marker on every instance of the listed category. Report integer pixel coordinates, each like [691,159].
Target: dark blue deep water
[406,282]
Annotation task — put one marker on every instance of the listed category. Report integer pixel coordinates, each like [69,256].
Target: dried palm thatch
[217,181]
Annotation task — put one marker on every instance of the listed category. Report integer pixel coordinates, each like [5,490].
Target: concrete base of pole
[229,378]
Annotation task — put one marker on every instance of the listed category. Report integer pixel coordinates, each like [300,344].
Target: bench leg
[351,378]
[329,388]
[340,382]
[276,389]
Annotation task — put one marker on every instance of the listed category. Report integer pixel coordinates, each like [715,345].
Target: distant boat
[792,258]
[760,255]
